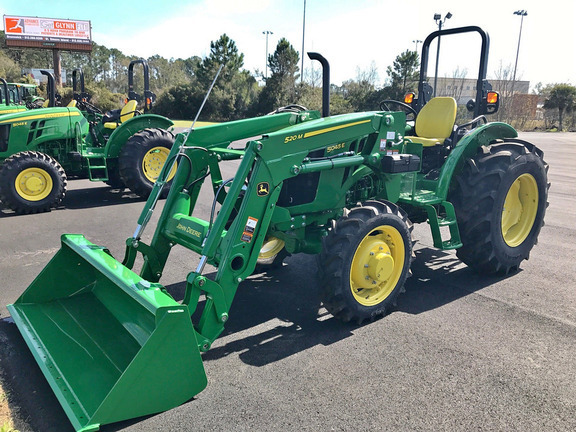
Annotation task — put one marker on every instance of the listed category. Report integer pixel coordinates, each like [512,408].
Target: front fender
[467,147]
[128,128]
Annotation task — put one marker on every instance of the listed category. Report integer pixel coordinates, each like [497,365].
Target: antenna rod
[160,182]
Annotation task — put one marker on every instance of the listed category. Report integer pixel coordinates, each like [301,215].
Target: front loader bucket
[112,345]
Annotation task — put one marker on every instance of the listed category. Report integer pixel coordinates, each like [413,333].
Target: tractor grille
[36,129]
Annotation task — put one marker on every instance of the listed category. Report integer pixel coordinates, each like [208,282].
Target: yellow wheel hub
[33,184]
[153,161]
[271,247]
[520,208]
[377,265]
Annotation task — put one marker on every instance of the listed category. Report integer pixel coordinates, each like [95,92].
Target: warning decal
[249,229]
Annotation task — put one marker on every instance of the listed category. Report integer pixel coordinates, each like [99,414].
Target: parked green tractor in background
[15,97]
[26,94]
[40,149]
[115,345]
[9,99]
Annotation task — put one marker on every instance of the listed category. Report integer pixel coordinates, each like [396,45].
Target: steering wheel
[409,110]
[87,106]
[289,108]
[33,104]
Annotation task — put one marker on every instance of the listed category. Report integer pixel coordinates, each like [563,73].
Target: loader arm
[250,201]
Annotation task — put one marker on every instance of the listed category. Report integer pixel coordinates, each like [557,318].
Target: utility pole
[440,22]
[266,32]
[302,54]
[522,14]
[417,41]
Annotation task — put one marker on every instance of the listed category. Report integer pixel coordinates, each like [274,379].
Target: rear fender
[128,128]
[467,147]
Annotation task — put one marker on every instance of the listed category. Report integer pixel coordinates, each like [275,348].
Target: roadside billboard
[35,32]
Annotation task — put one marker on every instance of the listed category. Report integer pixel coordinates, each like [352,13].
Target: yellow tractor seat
[72,104]
[435,122]
[46,103]
[127,113]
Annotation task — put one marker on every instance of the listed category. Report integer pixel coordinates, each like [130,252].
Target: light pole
[417,41]
[266,32]
[440,22]
[522,14]
[303,33]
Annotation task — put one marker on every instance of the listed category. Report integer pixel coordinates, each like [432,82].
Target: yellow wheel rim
[520,208]
[377,265]
[153,161]
[34,184]
[271,247]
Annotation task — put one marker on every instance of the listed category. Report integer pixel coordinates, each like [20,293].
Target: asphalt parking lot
[460,352]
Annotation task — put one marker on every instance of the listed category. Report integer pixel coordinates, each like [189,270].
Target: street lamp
[266,32]
[522,14]
[303,33]
[440,22]
[417,41]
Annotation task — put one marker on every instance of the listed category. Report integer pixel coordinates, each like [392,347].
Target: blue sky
[354,35]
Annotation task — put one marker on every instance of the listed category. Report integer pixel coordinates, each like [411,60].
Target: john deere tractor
[8,99]
[114,344]
[26,94]
[17,97]
[40,149]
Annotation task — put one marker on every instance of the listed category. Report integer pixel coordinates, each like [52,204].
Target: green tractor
[8,103]
[114,344]
[26,94]
[16,97]
[40,149]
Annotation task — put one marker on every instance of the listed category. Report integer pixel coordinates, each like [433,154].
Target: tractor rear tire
[32,182]
[142,159]
[114,179]
[500,198]
[365,261]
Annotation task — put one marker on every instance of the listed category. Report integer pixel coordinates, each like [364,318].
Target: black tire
[32,182]
[365,261]
[114,179]
[142,158]
[497,238]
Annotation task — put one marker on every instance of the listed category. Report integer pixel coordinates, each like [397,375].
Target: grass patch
[6,424]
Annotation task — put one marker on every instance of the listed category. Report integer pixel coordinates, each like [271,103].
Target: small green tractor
[16,97]
[114,344]
[8,103]
[40,149]
[26,94]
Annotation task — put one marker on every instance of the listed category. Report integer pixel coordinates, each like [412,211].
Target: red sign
[47,29]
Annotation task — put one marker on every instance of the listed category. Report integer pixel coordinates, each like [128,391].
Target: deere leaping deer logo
[263,189]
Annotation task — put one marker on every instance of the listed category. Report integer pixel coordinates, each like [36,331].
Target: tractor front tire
[142,159]
[32,182]
[365,261]
[500,198]
[272,254]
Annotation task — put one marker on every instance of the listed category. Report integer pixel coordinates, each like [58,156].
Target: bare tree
[313,77]
[369,76]
[503,85]
[455,84]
